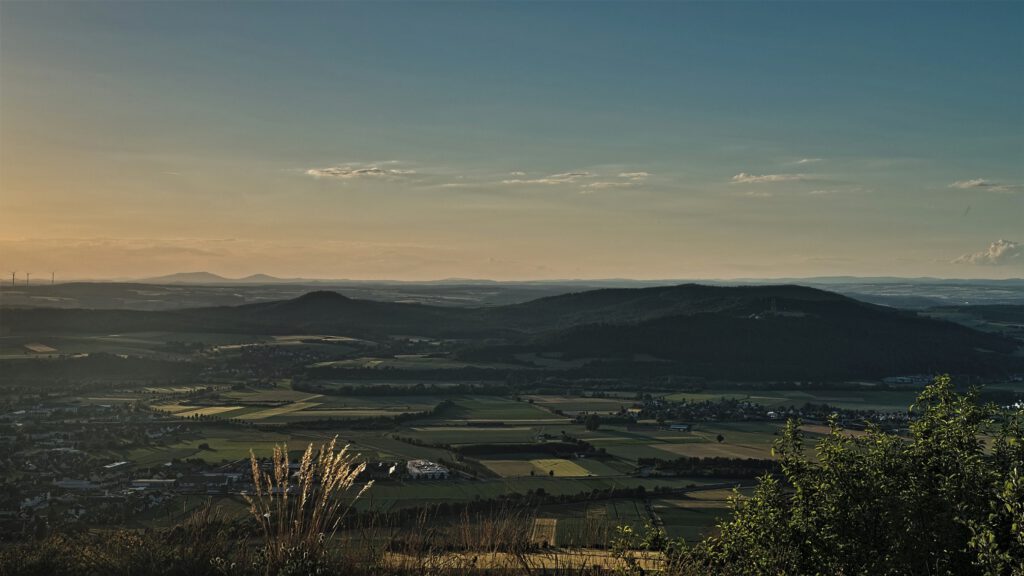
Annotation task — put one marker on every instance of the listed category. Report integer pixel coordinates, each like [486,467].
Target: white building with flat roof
[427,470]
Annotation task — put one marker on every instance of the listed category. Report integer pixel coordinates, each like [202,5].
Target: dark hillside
[729,332]
[827,344]
[631,305]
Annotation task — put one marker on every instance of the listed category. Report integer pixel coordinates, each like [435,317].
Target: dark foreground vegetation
[947,499]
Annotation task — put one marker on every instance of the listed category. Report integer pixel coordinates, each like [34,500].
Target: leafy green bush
[938,502]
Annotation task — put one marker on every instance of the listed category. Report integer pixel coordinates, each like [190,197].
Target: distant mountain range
[737,332]
[210,278]
[201,278]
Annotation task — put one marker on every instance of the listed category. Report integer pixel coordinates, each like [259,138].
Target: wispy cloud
[984,184]
[744,178]
[635,176]
[553,179]
[999,253]
[353,171]
[601,185]
[808,160]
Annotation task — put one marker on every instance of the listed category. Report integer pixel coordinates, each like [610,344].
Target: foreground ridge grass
[945,499]
[297,514]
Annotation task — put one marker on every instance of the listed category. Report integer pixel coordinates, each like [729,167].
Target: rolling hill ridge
[742,332]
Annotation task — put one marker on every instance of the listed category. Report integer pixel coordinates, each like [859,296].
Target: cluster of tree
[419,442]
[500,504]
[467,373]
[940,502]
[461,389]
[714,466]
[468,466]
[370,422]
[93,371]
[561,448]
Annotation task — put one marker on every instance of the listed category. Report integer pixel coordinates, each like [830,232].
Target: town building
[426,470]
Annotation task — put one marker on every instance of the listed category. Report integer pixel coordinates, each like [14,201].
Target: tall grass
[299,513]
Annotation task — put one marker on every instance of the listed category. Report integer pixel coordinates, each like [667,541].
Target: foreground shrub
[937,503]
[198,547]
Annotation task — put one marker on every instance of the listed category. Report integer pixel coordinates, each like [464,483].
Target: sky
[512,141]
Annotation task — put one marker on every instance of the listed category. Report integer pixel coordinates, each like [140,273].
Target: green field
[742,439]
[498,409]
[226,444]
[576,404]
[849,399]
[392,494]
[591,523]
[133,343]
[282,404]
[230,442]
[456,434]
[207,411]
[411,362]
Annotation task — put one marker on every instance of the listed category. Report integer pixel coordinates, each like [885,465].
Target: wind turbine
[12,278]
[28,278]
[52,275]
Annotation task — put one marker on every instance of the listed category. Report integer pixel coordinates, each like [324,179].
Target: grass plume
[299,513]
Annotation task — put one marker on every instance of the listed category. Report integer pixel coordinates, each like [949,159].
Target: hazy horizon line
[215,278]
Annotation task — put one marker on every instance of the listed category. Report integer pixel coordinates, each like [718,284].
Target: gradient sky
[512,140]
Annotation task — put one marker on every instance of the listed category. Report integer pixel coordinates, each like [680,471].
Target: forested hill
[748,330]
[824,345]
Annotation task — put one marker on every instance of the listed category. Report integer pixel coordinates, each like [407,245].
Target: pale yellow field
[207,411]
[343,413]
[177,390]
[544,530]
[469,428]
[173,408]
[720,494]
[293,407]
[706,449]
[315,337]
[561,560]
[824,430]
[540,467]
[561,467]
[692,504]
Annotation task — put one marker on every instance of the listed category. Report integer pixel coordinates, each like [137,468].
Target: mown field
[131,343]
[282,404]
[555,467]
[403,493]
[740,440]
[411,362]
[573,405]
[849,399]
[692,517]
